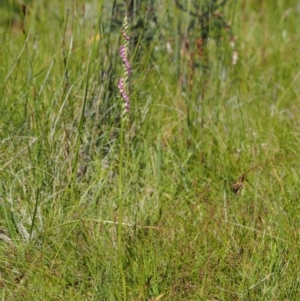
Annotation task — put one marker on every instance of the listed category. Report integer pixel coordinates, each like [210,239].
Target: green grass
[86,216]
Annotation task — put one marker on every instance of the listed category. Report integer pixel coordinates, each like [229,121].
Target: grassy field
[96,204]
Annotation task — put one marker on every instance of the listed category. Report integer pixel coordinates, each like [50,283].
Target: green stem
[120,210]
[81,122]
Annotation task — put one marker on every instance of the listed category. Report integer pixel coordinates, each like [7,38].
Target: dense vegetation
[96,204]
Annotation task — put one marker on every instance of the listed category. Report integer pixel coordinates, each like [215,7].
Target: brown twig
[238,185]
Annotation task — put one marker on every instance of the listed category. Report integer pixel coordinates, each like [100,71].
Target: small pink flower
[125,36]
[124,59]
[125,97]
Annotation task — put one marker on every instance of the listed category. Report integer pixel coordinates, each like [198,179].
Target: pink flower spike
[121,85]
[124,59]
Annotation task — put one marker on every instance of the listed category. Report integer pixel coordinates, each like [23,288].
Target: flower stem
[120,211]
